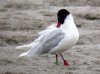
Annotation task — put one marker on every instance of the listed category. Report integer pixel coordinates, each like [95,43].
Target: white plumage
[71,35]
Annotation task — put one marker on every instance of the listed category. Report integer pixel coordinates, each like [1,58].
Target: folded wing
[45,43]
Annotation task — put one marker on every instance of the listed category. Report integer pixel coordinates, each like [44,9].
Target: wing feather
[46,43]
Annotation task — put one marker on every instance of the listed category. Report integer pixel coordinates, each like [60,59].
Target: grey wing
[50,41]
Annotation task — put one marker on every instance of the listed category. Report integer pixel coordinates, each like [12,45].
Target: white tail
[23,54]
[25,47]
[32,49]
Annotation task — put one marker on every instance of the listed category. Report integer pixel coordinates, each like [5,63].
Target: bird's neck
[69,26]
[69,22]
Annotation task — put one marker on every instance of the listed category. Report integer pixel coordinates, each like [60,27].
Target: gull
[55,39]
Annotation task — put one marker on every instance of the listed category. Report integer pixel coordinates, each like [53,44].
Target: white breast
[71,36]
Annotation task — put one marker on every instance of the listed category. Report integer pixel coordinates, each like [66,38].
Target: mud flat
[20,22]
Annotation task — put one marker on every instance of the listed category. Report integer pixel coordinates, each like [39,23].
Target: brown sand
[20,20]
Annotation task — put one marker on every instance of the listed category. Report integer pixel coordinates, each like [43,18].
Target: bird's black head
[62,14]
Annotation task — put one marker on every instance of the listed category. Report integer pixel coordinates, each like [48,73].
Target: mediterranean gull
[55,39]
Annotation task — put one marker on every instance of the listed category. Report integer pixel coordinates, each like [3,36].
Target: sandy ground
[21,20]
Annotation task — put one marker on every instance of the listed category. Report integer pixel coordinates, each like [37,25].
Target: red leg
[65,62]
